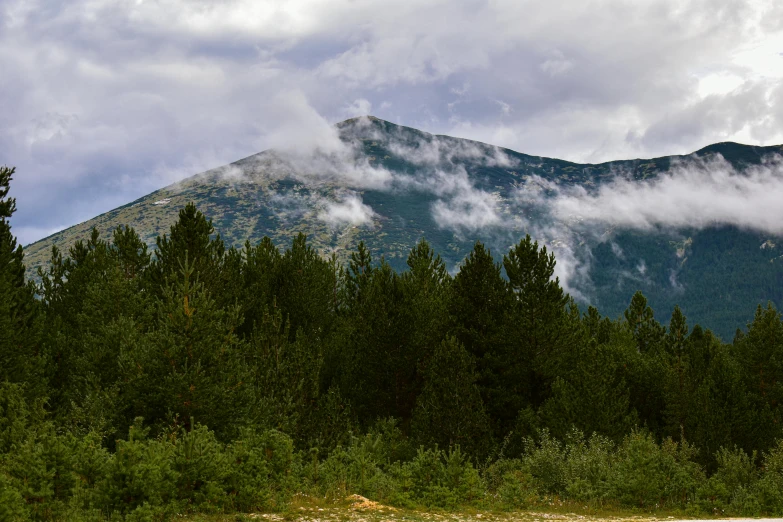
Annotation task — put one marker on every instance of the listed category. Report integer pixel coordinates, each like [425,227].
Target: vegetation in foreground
[216,381]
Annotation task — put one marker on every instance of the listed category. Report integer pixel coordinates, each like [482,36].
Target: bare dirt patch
[362,503]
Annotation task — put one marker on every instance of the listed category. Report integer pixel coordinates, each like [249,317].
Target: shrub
[648,474]
[546,463]
[12,505]
[728,487]
[768,490]
[443,479]
[589,466]
[517,490]
[140,473]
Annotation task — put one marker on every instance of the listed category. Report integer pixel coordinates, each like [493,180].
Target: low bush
[46,475]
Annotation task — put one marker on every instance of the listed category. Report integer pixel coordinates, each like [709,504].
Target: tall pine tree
[449,410]
[20,357]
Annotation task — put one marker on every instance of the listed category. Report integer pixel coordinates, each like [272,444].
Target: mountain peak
[395,184]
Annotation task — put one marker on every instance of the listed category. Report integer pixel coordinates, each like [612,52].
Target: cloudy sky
[103,101]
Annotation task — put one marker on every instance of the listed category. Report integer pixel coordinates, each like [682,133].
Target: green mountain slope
[390,185]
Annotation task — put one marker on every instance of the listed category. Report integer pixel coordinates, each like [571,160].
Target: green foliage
[727,489]
[449,411]
[541,326]
[649,474]
[760,352]
[769,488]
[478,308]
[192,364]
[20,357]
[592,394]
[190,236]
[209,380]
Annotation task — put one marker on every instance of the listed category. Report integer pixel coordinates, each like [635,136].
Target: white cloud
[694,194]
[103,99]
[350,210]
[722,83]
[359,107]
[440,150]
[557,64]
[467,208]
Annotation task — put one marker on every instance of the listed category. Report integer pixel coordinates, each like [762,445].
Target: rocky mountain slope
[391,185]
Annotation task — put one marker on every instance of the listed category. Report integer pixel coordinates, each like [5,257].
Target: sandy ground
[362,509]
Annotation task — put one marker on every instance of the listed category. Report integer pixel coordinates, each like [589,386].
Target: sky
[103,101]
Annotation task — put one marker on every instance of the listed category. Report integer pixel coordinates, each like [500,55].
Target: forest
[139,383]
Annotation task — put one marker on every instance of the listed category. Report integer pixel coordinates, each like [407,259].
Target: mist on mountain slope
[695,194]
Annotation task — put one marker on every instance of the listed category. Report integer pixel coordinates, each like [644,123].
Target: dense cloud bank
[106,101]
[693,194]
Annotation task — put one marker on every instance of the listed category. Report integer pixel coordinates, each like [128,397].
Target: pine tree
[369,350]
[68,286]
[304,286]
[449,410]
[760,353]
[191,235]
[285,374]
[423,318]
[646,336]
[640,320]
[722,415]
[259,267]
[542,328]
[131,252]
[192,364]
[592,395]
[599,329]
[359,272]
[20,358]
[479,303]
[679,384]
[113,311]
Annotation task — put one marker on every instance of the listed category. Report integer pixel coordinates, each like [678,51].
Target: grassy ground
[358,509]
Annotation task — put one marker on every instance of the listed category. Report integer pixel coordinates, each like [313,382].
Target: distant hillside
[390,185]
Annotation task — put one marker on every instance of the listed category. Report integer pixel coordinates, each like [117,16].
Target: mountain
[390,185]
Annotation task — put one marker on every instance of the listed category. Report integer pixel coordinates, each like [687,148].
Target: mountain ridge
[389,185]
[718,147]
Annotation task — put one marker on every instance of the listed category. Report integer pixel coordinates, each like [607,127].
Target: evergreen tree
[423,317]
[646,335]
[760,353]
[478,305]
[449,410]
[599,329]
[65,288]
[192,234]
[285,374]
[540,324]
[359,273]
[20,357]
[640,320]
[592,393]
[722,415]
[370,349]
[112,308]
[131,252]
[258,268]
[192,364]
[679,383]
[304,288]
